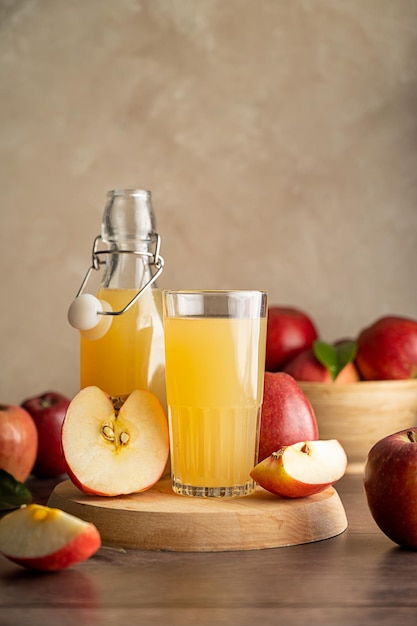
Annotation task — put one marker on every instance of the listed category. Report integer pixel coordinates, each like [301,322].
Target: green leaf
[13,493]
[335,356]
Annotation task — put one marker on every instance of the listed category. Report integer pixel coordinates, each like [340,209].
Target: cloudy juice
[131,353]
[214,386]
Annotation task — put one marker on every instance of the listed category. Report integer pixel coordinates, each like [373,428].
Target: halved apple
[302,469]
[115,446]
[39,537]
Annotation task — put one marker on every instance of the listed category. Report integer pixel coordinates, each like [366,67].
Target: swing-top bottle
[122,341]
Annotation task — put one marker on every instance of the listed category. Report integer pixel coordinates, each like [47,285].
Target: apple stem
[117,403]
[412,436]
[45,402]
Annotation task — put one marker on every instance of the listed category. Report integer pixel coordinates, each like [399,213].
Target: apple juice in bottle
[125,349]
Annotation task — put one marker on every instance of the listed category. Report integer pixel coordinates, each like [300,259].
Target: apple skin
[302,469]
[18,441]
[387,349]
[307,368]
[390,483]
[48,412]
[289,331]
[286,415]
[42,538]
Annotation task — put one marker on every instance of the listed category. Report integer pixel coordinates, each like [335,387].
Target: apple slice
[302,469]
[113,446]
[39,537]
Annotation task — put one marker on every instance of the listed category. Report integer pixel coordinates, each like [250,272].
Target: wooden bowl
[360,414]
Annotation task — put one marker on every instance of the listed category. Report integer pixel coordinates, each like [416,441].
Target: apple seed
[107,431]
[305,449]
[124,438]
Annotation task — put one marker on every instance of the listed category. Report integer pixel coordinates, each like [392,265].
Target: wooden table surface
[358,578]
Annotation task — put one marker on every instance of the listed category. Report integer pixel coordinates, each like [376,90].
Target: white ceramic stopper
[83,314]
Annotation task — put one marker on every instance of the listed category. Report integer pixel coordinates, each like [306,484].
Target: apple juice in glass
[121,328]
[215,361]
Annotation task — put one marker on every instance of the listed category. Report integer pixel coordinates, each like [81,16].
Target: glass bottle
[122,340]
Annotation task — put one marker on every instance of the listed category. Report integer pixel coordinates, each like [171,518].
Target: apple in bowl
[306,367]
[114,446]
[289,331]
[302,469]
[387,349]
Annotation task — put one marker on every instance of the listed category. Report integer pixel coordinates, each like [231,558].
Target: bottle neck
[128,219]
[129,232]
[128,270]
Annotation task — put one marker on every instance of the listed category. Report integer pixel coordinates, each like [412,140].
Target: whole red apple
[390,482]
[306,367]
[18,441]
[289,331]
[48,411]
[286,416]
[387,350]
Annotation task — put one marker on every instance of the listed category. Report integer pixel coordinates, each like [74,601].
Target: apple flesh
[390,483]
[113,446]
[18,441]
[41,538]
[302,469]
[289,331]
[387,350]
[307,368]
[286,415]
[48,411]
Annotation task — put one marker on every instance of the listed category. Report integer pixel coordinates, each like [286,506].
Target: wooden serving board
[159,519]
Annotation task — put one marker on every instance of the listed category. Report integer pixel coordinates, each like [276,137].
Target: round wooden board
[159,519]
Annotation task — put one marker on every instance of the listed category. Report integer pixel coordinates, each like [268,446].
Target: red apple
[48,412]
[390,482]
[286,415]
[302,469]
[289,331]
[113,446]
[306,367]
[387,350]
[41,538]
[18,441]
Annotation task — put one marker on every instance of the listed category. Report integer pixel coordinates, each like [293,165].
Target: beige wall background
[279,139]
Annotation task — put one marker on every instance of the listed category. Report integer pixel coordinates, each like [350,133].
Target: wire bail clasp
[98,259]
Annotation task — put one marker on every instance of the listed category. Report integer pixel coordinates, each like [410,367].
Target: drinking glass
[215,362]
